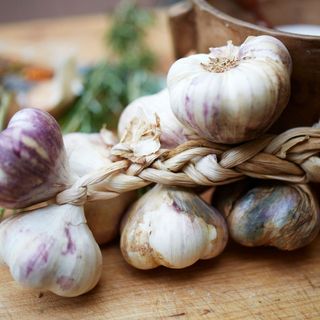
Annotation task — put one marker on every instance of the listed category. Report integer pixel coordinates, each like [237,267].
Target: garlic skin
[173,132]
[51,249]
[87,153]
[33,166]
[171,227]
[233,94]
[285,216]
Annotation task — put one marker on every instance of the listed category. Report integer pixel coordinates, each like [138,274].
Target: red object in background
[35,73]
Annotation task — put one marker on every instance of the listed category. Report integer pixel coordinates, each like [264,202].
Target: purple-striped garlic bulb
[285,216]
[33,166]
[173,132]
[234,93]
[89,152]
[171,227]
[51,249]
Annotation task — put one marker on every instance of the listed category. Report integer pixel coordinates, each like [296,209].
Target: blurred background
[82,61]
[17,10]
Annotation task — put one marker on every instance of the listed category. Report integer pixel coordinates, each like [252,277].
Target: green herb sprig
[110,86]
[5,100]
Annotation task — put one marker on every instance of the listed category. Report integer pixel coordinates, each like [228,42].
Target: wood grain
[242,283]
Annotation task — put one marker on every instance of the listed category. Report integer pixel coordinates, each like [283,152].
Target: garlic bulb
[272,214]
[51,249]
[33,166]
[173,132]
[171,227]
[87,153]
[234,93]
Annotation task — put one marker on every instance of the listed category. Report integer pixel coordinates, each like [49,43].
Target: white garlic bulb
[173,132]
[171,227]
[87,153]
[51,249]
[234,93]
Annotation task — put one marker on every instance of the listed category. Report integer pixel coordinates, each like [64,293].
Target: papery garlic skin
[273,214]
[233,94]
[51,249]
[33,166]
[171,227]
[87,153]
[173,132]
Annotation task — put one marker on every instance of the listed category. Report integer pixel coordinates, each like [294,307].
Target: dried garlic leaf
[140,141]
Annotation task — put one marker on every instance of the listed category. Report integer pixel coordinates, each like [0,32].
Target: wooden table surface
[44,40]
[242,283]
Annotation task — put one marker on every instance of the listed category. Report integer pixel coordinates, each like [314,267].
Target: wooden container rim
[205,5]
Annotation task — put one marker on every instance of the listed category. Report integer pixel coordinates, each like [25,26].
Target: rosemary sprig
[110,86]
[2,211]
[127,35]
[5,100]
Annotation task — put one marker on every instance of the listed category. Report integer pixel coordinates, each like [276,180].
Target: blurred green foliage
[110,86]
[5,100]
[127,36]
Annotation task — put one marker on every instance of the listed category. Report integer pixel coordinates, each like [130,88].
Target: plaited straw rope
[291,156]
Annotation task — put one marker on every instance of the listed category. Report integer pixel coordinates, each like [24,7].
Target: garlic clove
[33,165]
[171,227]
[87,153]
[173,132]
[285,216]
[51,249]
[233,94]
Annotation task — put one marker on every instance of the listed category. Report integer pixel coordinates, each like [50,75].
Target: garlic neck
[222,59]
[220,64]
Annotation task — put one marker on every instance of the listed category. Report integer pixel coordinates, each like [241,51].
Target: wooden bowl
[201,24]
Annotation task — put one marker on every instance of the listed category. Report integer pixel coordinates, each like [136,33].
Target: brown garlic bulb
[285,216]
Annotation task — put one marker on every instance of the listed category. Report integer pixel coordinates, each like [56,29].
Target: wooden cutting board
[242,283]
